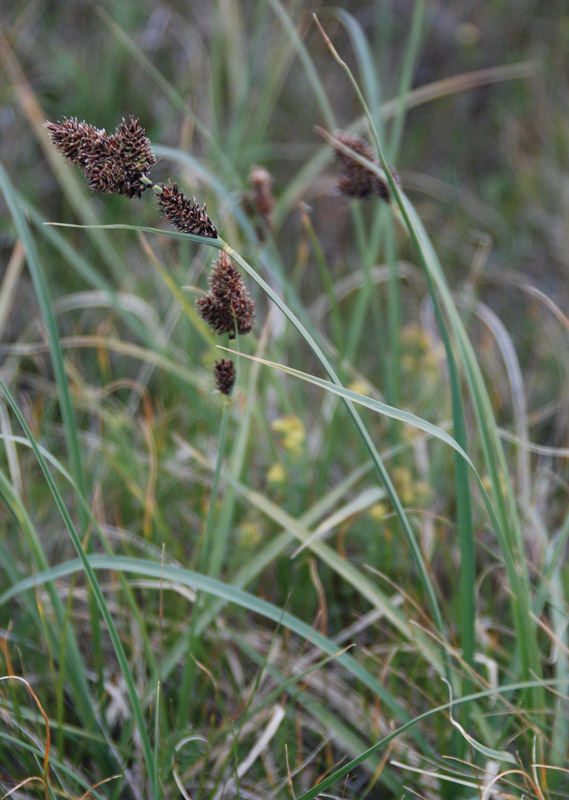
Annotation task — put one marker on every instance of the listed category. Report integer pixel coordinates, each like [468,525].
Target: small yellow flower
[276,474]
[422,492]
[412,335]
[378,511]
[292,433]
[403,481]
[360,387]
[249,534]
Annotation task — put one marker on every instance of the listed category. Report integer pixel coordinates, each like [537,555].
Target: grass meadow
[347,578]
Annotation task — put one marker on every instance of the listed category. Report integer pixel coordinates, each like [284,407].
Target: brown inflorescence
[74,138]
[261,182]
[227,307]
[356,180]
[185,215]
[224,375]
[112,163]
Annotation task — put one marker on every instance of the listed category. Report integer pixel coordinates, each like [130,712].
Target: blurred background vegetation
[220,87]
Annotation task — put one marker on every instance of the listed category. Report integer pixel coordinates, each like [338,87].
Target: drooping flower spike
[185,215]
[356,180]
[227,307]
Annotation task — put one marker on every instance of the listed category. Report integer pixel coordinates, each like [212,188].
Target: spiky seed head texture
[356,180]
[112,163]
[227,307]
[224,375]
[185,215]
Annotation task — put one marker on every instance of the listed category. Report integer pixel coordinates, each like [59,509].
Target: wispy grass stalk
[508,531]
[380,468]
[67,411]
[324,361]
[335,314]
[209,563]
[199,582]
[95,587]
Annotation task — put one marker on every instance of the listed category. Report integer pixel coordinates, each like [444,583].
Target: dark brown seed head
[356,180]
[185,215]
[131,149]
[224,374]
[227,307]
[114,163]
[134,146]
[261,182]
[75,139]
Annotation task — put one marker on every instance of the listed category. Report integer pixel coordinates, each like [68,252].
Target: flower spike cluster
[120,163]
[111,162]
[224,375]
[356,180]
[185,215]
[227,307]
[261,182]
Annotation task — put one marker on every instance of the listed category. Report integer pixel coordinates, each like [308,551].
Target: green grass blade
[306,61]
[318,352]
[407,417]
[509,532]
[167,573]
[340,773]
[67,412]
[96,589]
[382,472]
[369,73]
[406,78]
[44,301]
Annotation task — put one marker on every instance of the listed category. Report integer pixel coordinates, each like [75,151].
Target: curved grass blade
[367,68]
[306,61]
[167,573]
[340,773]
[509,529]
[67,412]
[376,458]
[407,417]
[96,589]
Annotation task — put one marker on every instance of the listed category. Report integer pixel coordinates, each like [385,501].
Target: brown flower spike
[224,374]
[227,307]
[185,215]
[260,181]
[356,180]
[74,139]
[111,163]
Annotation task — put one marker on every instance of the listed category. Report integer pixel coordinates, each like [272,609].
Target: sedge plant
[121,163]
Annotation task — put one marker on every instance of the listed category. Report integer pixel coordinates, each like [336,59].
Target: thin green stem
[95,587]
[67,412]
[508,530]
[336,318]
[210,560]
[380,468]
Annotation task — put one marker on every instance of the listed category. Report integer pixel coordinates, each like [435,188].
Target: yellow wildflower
[276,474]
[293,435]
